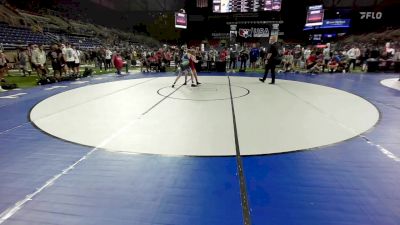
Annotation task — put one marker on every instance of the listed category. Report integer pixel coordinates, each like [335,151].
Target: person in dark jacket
[244,56]
[271,60]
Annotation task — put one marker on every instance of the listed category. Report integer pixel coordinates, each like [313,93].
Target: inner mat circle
[130,116]
[204,92]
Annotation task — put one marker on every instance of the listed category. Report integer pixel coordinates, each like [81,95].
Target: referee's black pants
[268,67]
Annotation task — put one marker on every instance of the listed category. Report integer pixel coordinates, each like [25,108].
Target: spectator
[287,61]
[134,57]
[108,56]
[318,67]
[93,57]
[254,55]
[118,62]
[77,56]
[297,55]
[30,50]
[212,57]
[128,59]
[389,50]
[342,62]
[101,59]
[223,57]
[327,55]
[243,60]
[306,54]
[353,54]
[3,66]
[333,65]
[364,58]
[56,58]
[232,59]
[69,58]
[396,60]
[39,60]
[168,57]
[24,62]
[64,67]
[311,61]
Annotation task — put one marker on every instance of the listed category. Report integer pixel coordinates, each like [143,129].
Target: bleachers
[19,28]
[11,37]
[82,42]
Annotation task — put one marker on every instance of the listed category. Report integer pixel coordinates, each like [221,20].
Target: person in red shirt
[314,64]
[118,62]
[223,55]
[311,61]
[152,59]
[192,64]
[159,57]
[185,68]
[333,65]
[167,58]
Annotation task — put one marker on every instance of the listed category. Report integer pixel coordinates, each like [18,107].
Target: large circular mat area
[135,116]
[392,83]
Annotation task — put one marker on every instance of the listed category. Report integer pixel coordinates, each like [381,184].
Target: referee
[271,60]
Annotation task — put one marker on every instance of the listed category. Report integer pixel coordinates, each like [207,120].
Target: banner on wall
[260,32]
[245,33]
[254,32]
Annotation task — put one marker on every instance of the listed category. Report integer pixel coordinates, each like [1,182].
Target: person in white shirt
[108,58]
[77,57]
[353,54]
[39,60]
[306,55]
[389,50]
[70,59]
[396,60]
[327,56]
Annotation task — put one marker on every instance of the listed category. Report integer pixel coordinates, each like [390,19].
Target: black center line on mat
[242,180]
[163,99]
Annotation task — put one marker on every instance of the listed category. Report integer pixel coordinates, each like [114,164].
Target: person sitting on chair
[333,65]
[318,67]
[311,61]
